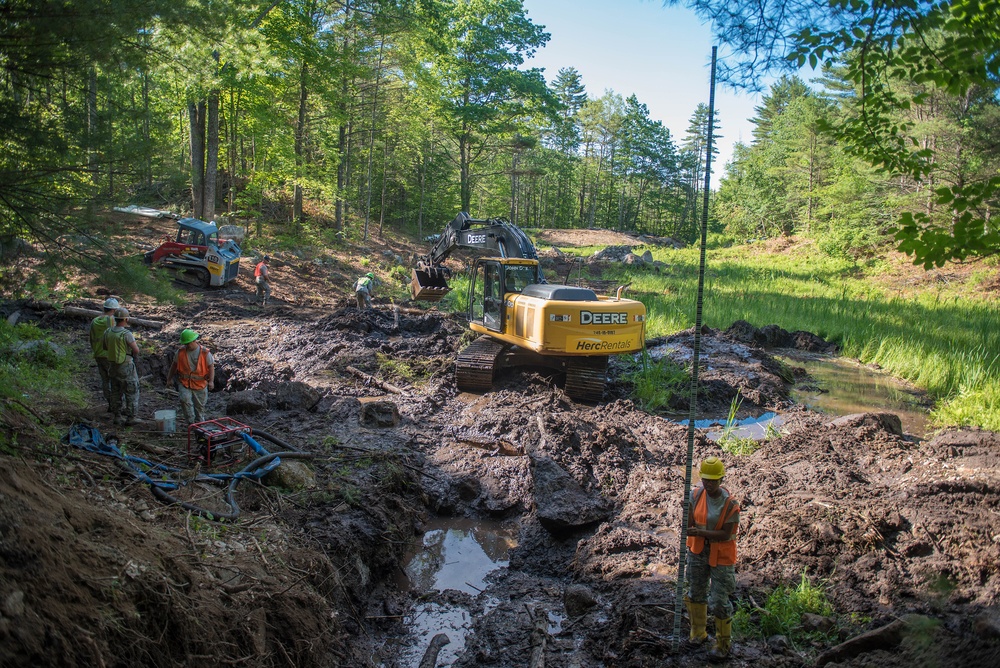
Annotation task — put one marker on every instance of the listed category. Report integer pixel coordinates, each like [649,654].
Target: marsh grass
[944,341]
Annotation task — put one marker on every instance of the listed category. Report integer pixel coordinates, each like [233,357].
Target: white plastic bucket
[166,421]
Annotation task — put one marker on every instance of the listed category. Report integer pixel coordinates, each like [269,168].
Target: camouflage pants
[104,368]
[124,389]
[193,404]
[263,290]
[364,299]
[723,584]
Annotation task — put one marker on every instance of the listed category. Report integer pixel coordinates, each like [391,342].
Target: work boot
[698,612]
[723,639]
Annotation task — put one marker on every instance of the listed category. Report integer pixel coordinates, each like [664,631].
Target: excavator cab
[492,281]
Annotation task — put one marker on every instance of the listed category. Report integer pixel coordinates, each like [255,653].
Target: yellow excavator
[525,321]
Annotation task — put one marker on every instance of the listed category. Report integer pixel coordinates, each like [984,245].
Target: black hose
[277,441]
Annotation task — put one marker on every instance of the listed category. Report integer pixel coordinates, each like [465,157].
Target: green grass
[939,338]
[656,383]
[37,376]
[782,614]
[729,441]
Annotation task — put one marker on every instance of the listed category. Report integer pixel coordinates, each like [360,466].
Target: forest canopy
[343,116]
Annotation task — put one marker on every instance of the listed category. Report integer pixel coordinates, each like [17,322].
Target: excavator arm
[430,277]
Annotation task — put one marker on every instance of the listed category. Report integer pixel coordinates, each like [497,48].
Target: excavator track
[586,377]
[476,365]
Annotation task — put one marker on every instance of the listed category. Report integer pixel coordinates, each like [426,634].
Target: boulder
[379,414]
[292,475]
[561,503]
[248,402]
[647,256]
[297,394]
[578,599]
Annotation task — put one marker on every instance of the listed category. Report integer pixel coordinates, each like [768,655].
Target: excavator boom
[430,277]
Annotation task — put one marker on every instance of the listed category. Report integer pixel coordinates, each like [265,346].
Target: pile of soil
[94,571]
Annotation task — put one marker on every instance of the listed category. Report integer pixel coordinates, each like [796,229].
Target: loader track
[585,378]
[476,365]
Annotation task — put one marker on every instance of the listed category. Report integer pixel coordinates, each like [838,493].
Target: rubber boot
[723,639]
[698,612]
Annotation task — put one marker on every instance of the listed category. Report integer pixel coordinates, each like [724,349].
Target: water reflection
[459,554]
[839,386]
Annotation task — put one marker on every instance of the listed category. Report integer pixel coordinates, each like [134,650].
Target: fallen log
[431,655]
[368,378]
[91,313]
[885,637]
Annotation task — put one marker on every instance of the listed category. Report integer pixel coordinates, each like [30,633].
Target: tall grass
[944,341]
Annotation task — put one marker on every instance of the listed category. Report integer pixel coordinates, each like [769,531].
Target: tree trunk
[196,113]
[211,157]
[300,134]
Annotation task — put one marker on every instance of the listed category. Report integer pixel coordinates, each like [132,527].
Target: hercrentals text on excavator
[524,320]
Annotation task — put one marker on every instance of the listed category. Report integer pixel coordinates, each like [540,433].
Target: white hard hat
[111,302]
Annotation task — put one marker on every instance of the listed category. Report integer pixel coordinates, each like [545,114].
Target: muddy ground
[95,572]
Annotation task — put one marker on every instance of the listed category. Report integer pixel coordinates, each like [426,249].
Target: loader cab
[492,280]
[197,236]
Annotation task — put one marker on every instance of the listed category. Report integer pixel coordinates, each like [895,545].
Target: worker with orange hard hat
[711,561]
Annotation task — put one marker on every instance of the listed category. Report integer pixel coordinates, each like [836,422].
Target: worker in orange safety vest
[194,367]
[712,526]
[261,276]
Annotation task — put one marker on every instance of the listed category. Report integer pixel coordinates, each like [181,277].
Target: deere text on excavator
[524,320]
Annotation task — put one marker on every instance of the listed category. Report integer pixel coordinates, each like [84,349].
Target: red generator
[217,442]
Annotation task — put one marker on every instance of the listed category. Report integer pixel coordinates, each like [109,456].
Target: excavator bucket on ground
[428,286]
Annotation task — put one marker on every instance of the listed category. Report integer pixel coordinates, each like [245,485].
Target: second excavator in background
[525,321]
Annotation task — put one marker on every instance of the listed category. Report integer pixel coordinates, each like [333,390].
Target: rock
[987,623]
[632,260]
[647,256]
[247,402]
[560,501]
[297,394]
[811,622]
[13,605]
[578,599]
[379,414]
[889,422]
[293,475]
[38,347]
[778,644]
[612,253]
[339,408]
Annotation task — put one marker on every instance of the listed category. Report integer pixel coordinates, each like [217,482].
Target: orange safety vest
[198,378]
[256,271]
[719,553]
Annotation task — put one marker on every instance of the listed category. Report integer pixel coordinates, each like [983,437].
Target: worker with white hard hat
[98,326]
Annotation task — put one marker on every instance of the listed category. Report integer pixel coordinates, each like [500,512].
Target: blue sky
[662,55]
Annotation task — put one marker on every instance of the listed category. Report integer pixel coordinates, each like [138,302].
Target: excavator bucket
[428,287]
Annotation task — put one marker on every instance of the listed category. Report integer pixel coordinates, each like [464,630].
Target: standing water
[840,386]
[455,554]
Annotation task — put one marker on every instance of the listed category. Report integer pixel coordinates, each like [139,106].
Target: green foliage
[33,372]
[394,367]
[782,614]
[728,440]
[657,383]
[942,338]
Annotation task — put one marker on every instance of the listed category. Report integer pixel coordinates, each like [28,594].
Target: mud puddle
[839,386]
[456,555]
